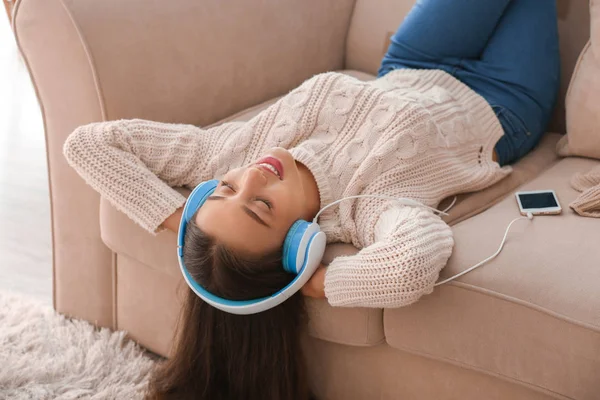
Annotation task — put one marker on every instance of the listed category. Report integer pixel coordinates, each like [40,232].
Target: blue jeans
[505,50]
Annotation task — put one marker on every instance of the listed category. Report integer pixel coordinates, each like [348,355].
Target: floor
[25,240]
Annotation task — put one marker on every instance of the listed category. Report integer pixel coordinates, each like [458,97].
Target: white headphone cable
[412,202]
[402,200]
[450,206]
[479,264]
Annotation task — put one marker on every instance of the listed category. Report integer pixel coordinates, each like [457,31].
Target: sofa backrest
[374,21]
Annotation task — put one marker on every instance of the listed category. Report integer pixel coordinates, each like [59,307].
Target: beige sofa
[526,326]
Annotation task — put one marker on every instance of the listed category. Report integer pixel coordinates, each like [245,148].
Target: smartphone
[538,202]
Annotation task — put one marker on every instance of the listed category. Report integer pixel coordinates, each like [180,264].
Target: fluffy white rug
[44,355]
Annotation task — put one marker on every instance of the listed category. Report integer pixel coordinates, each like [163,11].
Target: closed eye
[227,185]
[248,211]
[264,201]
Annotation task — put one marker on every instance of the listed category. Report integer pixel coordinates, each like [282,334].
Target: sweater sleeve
[135,163]
[411,246]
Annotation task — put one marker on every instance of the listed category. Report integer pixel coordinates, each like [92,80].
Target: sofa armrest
[187,61]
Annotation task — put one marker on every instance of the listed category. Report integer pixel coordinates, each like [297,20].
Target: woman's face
[254,206]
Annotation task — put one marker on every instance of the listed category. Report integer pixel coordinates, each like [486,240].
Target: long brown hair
[221,356]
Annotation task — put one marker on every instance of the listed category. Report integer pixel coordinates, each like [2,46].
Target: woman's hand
[315,287]
[172,221]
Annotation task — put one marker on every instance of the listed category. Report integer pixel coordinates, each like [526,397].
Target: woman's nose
[255,178]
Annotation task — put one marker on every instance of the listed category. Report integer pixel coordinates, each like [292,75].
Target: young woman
[467,86]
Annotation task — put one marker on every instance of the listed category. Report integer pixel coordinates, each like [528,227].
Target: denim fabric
[505,50]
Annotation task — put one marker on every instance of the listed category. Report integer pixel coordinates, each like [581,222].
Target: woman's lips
[273,162]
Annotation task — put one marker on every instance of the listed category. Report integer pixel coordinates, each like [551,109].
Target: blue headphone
[303,250]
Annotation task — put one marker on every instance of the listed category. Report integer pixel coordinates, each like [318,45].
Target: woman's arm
[399,268]
[173,220]
[135,164]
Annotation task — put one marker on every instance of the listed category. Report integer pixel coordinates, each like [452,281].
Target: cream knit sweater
[413,133]
[588,202]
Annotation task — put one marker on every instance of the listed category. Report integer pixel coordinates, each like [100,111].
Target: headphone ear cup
[296,244]
[291,246]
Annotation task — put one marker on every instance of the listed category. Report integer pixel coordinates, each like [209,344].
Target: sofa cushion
[583,97]
[533,313]
[374,21]
[361,327]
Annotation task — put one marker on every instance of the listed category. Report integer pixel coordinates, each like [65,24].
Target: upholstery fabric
[532,313]
[148,57]
[148,300]
[400,375]
[65,85]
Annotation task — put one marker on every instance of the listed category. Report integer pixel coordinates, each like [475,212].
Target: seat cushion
[353,326]
[533,313]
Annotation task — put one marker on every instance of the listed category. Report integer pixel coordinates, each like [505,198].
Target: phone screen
[538,200]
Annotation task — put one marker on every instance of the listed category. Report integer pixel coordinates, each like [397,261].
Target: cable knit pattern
[588,202]
[412,133]
[421,243]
